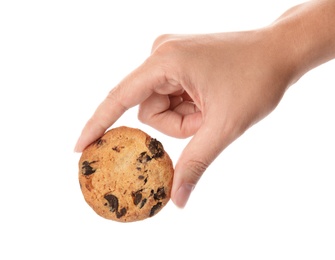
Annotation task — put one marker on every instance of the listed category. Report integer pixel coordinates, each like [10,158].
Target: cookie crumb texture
[126,175]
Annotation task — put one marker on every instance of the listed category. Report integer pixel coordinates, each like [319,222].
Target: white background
[270,195]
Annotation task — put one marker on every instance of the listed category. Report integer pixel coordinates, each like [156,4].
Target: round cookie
[126,175]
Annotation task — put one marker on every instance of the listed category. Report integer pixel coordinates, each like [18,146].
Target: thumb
[199,153]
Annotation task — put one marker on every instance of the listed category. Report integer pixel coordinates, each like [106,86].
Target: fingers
[175,102]
[105,115]
[200,152]
[186,108]
[135,88]
[170,115]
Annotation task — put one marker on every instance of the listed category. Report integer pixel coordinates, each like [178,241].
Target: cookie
[126,175]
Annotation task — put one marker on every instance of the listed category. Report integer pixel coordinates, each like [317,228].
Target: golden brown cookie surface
[126,175]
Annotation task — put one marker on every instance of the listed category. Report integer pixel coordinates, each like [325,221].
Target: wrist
[304,37]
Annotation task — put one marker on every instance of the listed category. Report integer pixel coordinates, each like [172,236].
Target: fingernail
[183,194]
[75,148]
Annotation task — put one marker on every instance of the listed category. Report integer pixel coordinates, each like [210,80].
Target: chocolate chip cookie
[126,175]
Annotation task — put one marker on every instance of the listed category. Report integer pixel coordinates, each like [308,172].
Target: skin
[213,87]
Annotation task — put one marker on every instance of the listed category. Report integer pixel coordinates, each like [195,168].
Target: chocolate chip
[152,192]
[137,196]
[156,148]
[143,203]
[113,202]
[142,177]
[99,142]
[160,194]
[122,212]
[87,169]
[144,158]
[155,208]
[117,148]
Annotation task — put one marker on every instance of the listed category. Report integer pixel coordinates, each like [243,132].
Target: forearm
[307,34]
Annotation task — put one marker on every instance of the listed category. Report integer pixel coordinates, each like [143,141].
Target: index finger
[131,91]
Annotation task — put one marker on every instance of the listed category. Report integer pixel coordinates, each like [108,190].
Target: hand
[214,87]
[211,86]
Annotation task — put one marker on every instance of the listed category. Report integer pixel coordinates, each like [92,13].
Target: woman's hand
[214,87]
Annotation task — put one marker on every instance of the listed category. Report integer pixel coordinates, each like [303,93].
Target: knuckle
[197,168]
[161,39]
[169,47]
[169,59]
[115,97]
